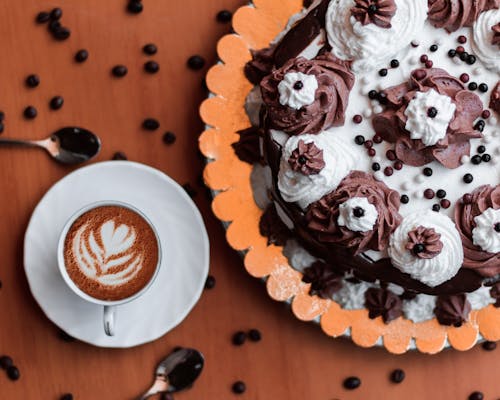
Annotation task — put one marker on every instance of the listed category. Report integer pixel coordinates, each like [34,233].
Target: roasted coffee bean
[489,346]
[81,56]
[254,335]
[30,112]
[67,396]
[169,138]
[152,67]
[56,14]
[476,396]
[42,17]
[224,16]
[239,338]
[56,102]
[150,49]
[13,373]
[351,383]
[398,376]
[6,362]
[135,7]
[239,387]
[62,33]
[119,71]
[150,124]
[32,80]
[210,282]
[196,62]
[65,337]
[119,156]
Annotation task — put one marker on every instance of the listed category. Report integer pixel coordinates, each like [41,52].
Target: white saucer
[184,243]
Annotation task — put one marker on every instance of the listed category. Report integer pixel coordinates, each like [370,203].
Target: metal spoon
[68,145]
[176,372]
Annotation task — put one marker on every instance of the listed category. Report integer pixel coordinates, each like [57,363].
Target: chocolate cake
[376,150]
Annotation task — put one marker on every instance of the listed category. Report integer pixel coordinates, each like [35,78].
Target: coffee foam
[110,252]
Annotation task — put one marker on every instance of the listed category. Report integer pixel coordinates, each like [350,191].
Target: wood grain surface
[294,360]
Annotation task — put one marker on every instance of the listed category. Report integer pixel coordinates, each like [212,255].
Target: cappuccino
[111,252]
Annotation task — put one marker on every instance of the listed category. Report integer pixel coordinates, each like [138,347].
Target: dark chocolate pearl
[476,396]
[372,152]
[382,98]
[42,17]
[119,156]
[298,85]
[464,78]
[486,114]
[239,387]
[56,102]
[432,112]
[32,80]
[13,373]
[468,178]
[460,49]
[394,63]
[464,56]
[372,9]
[359,140]
[81,56]
[398,165]
[405,199]
[119,71]
[424,58]
[483,87]
[383,72]
[490,346]
[134,7]
[196,62]
[476,160]
[445,203]
[436,207]
[169,138]
[428,171]
[67,396]
[150,49]
[368,144]
[150,124]
[429,194]
[377,139]
[5,362]
[462,39]
[351,383]
[61,33]
[302,160]
[486,158]
[254,335]
[452,53]
[376,166]
[472,86]
[391,155]
[429,64]
[358,212]
[481,149]
[152,67]
[224,16]
[56,14]
[30,112]
[441,194]
[388,171]
[357,119]
[471,59]
[497,227]
[210,282]
[373,94]
[398,376]
[433,48]
[239,338]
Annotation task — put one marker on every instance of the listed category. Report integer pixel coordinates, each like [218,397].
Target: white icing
[484,234]
[419,309]
[352,295]
[339,158]
[297,98]
[483,36]
[298,257]
[364,223]
[111,264]
[480,298]
[432,271]
[420,125]
[371,46]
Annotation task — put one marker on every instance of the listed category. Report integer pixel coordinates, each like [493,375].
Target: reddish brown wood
[294,360]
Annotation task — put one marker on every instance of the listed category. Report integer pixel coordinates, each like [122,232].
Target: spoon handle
[17,142]
[160,386]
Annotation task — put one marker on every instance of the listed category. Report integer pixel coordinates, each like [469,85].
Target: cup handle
[109,317]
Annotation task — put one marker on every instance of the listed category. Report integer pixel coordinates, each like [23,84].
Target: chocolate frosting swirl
[260,66]
[335,81]
[322,216]
[428,238]
[495,98]
[496,34]
[452,310]
[378,12]
[324,280]
[272,227]
[454,14]
[390,124]
[307,158]
[247,148]
[484,197]
[382,302]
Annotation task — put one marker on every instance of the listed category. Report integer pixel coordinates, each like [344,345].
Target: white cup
[110,307]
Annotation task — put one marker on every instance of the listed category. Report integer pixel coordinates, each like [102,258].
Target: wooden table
[294,360]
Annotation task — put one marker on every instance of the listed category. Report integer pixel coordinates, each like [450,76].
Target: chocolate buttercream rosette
[430,118]
[307,96]
[360,214]
[477,217]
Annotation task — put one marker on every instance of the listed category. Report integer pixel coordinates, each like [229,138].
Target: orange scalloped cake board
[224,114]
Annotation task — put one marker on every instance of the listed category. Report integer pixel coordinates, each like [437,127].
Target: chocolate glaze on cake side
[384,156]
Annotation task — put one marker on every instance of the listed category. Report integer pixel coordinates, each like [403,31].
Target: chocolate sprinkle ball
[196,62]
[239,387]
[351,383]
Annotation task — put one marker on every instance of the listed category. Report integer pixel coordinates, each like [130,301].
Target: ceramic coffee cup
[109,307]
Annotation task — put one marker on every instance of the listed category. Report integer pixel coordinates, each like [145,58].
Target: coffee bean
[2,116]
[81,56]
[56,102]
[13,373]
[56,14]
[224,16]
[150,49]
[210,282]
[196,62]
[119,156]
[239,338]
[152,67]
[351,383]
[254,335]
[30,112]
[150,124]
[239,387]
[119,71]
[32,80]
[398,376]
[476,396]
[67,396]
[5,362]
[42,17]
[65,337]
[489,346]
[61,33]
[169,138]
[134,7]
[2,127]
[191,191]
